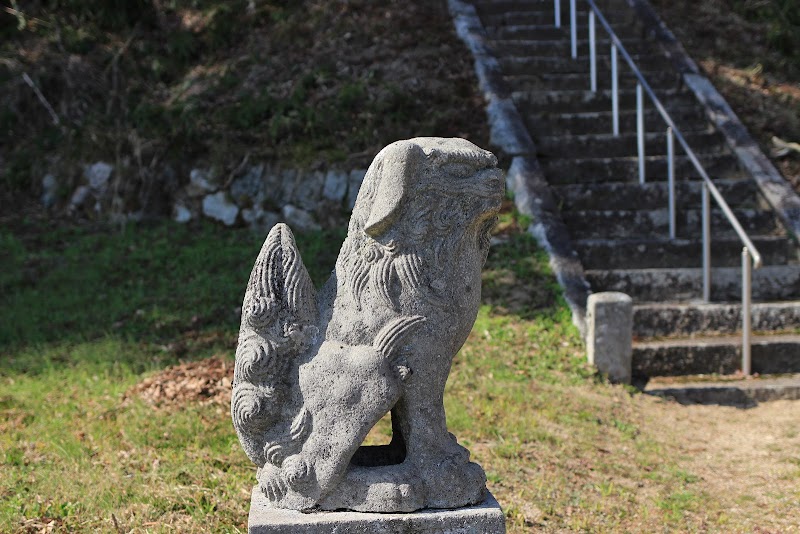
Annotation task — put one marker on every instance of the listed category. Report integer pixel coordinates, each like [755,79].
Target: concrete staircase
[618,227]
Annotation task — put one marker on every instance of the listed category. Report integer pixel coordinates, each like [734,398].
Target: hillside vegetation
[158,86]
[750,49]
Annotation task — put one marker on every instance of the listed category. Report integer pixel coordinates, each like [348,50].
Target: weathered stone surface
[49,190]
[200,182]
[609,322]
[740,393]
[354,181]
[314,374]
[79,196]
[308,190]
[259,219]
[248,189]
[335,185]
[219,207]
[771,282]
[180,213]
[299,218]
[97,175]
[483,518]
[257,187]
[771,354]
[285,184]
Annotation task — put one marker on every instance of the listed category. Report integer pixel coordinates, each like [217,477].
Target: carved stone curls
[314,373]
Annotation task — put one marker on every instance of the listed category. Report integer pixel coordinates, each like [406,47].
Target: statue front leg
[443,465]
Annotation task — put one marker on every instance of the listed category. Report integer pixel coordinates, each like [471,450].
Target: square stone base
[485,518]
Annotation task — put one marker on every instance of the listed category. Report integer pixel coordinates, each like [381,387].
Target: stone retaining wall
[258,196]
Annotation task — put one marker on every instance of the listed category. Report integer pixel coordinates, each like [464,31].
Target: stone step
[662,252]
[574,101]
[771,354]
[579,81]
[561,47]
[491,7]
[596,170]
[542,17]
[548,32]
[742,393]
[661,320]
[688,118]
[651,195]
[566,65]
[617,224]
[625,144]
[781,282]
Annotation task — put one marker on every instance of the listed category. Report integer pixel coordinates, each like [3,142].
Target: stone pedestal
[485,518]
[609,321]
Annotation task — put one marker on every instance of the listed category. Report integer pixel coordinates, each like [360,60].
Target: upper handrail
[751,258]
[752,250]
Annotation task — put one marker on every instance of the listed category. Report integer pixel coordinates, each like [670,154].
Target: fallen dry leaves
[205,382]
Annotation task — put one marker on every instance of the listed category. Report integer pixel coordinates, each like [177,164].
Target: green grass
[562,449]
[148,284]
[86,314]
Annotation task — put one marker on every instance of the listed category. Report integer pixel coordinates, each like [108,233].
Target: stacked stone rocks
[257,196]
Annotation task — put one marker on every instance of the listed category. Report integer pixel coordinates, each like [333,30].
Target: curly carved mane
[409,217]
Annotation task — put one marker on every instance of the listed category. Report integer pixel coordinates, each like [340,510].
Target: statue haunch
[315,373]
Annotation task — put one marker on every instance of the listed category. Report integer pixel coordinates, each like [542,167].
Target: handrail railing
[751,258]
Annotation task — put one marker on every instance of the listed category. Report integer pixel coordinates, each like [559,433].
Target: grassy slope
[562,449]
[751,52]
[150,85]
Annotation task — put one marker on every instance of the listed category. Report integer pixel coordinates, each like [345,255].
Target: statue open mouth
[315,373]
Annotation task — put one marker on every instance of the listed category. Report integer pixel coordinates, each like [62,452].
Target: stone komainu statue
[314,374]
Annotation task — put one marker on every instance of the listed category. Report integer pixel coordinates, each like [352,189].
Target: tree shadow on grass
[157,294]
[148,293]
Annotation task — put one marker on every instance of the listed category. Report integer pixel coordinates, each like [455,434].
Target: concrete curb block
[777,191]
[532,194]
[609,324]
[533,197]
[507,130]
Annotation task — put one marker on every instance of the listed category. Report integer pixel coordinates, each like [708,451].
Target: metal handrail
[751,258]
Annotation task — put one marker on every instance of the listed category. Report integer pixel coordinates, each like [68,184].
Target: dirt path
[748,461]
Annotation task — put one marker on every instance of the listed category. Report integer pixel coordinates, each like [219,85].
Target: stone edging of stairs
[507,130]
[777,191]
[532,194]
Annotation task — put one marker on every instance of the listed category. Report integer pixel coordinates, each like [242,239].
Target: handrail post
[573,28]
[747,324]
[640,129]
[674,133]
[706,244]
[614,90]
[557,6]
[671,180]
[592,52]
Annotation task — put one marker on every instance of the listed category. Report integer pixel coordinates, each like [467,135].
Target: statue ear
[399,163]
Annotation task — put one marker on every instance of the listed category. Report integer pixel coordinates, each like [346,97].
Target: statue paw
[289,484]
[298,472]
[272,483]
